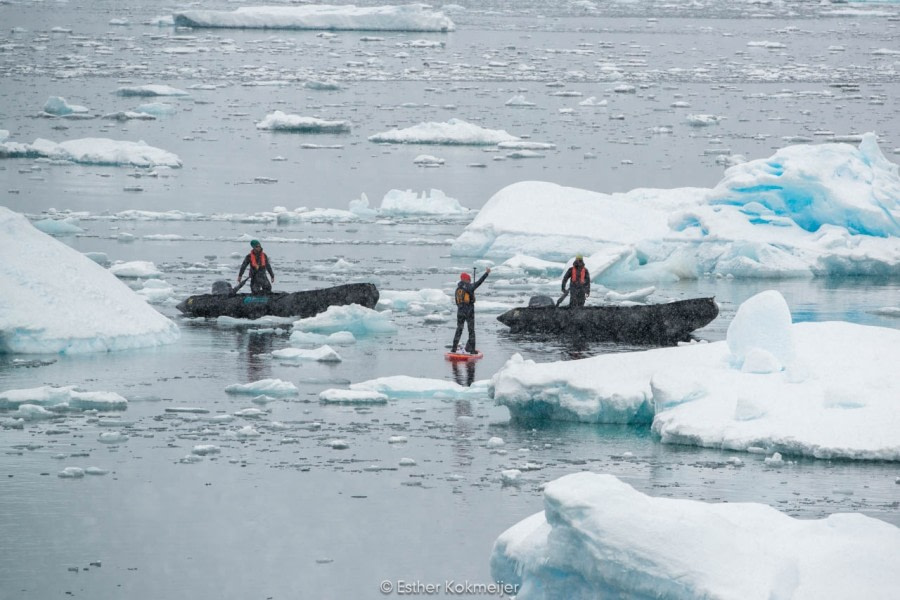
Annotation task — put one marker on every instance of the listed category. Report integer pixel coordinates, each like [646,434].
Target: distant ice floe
[66,226]
[410,17]
[269,387]
[61,399]
[453,132]
[518,100]
[150,90]
[358,320]
[279,121]
[406,203]
[93,151]
[156,109]
[58,107]
[809,210]
[336,396]
[134,269]
[60,301]
[305,338]
[598,533]
[322,354]
[403,386]
[824,390]
[416,301]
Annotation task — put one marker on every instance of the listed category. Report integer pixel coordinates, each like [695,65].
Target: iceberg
[279,121]
[58,107]
[453,132]
[822,390]
[62,397]
[411,17]
[322,354]
[598,537]
[67,226]
[150,90]
[63,302]
[809,210]
[93,151]
[358,320]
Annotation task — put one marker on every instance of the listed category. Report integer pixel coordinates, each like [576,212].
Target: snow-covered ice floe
[60,301]
[143,91]
[410,17]
[322,354]
[453,132]
[404,386]
[269,387]
[598,537]
[824,390]
[406,203]
[828,209]
[279,121]
[62,398]
[93,151]
[358,320]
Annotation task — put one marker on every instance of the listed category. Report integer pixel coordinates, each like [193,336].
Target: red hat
[465,277]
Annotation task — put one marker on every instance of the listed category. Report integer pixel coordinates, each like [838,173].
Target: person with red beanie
[465,309]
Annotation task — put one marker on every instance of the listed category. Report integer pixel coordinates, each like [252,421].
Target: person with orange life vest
[465,309]
[579,282]
[259,264]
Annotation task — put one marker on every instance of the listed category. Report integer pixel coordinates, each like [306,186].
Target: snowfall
[824,390]
[410,17]
[828,209]
[600,538]
[60,301]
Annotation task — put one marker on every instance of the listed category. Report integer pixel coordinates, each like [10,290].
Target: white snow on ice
[599,533]
[453,132]
[93,151]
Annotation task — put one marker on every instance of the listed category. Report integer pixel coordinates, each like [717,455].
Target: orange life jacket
[575,275]
[261,264]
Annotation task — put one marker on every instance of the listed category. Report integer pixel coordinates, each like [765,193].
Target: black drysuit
[465,312]
[579,283]
[259,283]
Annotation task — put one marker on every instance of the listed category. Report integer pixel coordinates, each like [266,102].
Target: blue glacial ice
[358,320]
[63,302]
[809,210]
[600,538]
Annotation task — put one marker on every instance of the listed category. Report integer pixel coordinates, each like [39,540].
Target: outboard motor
[540,301]
[220,288]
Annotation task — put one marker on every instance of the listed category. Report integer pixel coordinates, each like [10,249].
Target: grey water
[284,515]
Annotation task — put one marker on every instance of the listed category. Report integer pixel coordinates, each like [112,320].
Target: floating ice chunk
[495,442]
[453,132]
[510,476]
[407,462]
[404,386]
[592,101]
[205,449]
[96,471]
[339,338]
[112,437]
[156,109]
[624,88]
[598,533]
[134,269]
[640,295]
[526,145]
[58,106]
[67,226]
[50,396]
[42,311]
[279,121]
[321,354]
[250,413]
[247,432]
[339,444]
[150,90]
[888,311]
[401,300]
[267,321]
[93,151]
[774,461]
[410,17]
[519,101]
[156,291]
[763,323]
[428,160]
[32,412]
[325,85]
[702,120]
[71,473]
[358,320]
[397,439]
[398,203]
[270,387]
[336,396]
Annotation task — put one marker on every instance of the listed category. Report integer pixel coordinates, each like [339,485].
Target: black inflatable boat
[660,324]
[277,304]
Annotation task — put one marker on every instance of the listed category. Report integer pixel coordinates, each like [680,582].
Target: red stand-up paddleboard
[464,355]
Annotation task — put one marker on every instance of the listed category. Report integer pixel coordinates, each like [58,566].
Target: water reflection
[257,345]
[463,372]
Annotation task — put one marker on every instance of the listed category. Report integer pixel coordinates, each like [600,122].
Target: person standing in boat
[259,264]
[579,280]
[465,309]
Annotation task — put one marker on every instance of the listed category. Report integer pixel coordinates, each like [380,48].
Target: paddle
[563,297]
[235,290]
